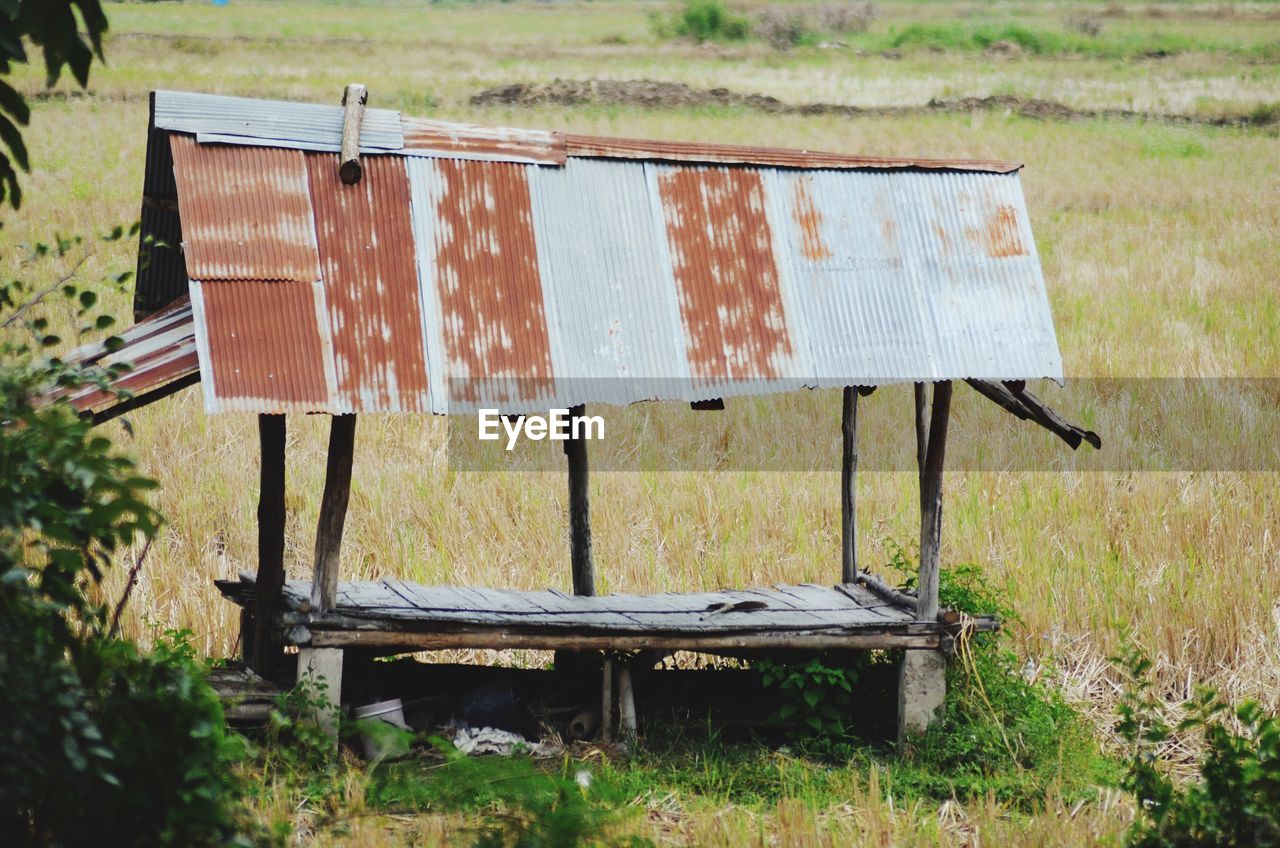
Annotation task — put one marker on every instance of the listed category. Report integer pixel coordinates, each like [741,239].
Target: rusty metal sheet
[158,350]
[246,212]
[487,338]
[736,323]
[371,284]
[777,157]
[262,346]
[424,137]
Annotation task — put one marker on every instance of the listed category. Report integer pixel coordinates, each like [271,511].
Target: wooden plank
[575,641]
[269,582]
[333,511]
[931,503]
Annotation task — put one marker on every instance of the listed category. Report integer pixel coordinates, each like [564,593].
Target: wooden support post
[333,512]
[584,573]
[353,100]
[922,431]
[606,700]
[931,503]
[260,649]
[849,487]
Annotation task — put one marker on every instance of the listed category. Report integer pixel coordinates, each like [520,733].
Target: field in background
[1160,248]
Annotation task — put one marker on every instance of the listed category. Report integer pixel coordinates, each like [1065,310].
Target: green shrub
[702,21]
[98,741]
[1235,802]
[817,696]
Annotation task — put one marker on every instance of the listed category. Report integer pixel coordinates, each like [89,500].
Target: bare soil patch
[656,94]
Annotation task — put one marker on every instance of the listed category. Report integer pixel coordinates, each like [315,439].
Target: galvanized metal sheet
[371,284]
[448,140]
[285,123]
[263,346]
[612,315]
[246,212]
[487,339]
[915,276]
[736,324]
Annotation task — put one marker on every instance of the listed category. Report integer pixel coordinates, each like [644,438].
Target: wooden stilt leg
[260,648]
[584,572]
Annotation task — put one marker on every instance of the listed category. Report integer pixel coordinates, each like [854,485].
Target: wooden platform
[391,614]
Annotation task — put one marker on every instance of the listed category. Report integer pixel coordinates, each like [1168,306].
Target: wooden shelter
[344,260]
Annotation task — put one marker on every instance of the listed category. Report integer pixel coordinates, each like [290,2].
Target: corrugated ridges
[306,125]
[495,144]
[158,349]
[722,254]
[612,315]
[261,346]
[371,284]
[246,212]
[478,263]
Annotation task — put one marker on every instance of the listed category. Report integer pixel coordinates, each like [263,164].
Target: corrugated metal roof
[158,349]
[289,124]
[246,212]
[453,277]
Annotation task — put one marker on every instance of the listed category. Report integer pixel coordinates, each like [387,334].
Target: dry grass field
[1159,242]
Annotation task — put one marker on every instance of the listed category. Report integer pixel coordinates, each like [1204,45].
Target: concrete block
[324,666]
[922,691]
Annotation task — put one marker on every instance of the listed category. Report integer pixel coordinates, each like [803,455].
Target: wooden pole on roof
[931,503]
[922,431]
[353,100]
[575,449]
[849,487]
[333,512]
[260,651]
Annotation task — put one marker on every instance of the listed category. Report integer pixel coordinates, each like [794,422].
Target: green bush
[1004,732]
[702,21]
[98,741]
[1235,802]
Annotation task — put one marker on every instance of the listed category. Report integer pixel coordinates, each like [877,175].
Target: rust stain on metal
[371,283]
[264,341]
[495,326]
[943,239]
[722,252]
[493,143]
[809,220]
[999,235]
[246,214]
[889,230]
[734,154]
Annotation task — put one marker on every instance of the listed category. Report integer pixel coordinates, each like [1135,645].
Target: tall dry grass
[1160,252]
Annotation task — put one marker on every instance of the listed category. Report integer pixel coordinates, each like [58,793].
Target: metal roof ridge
[388,131]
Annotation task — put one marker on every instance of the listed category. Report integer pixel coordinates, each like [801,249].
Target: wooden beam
[1013,397]
[262,653]
[333,512]
[139,401]
[931,503]
[502,639]
[849,487]
[584,573]
[353,100]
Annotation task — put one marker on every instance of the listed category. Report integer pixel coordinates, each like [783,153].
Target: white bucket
[380,746]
